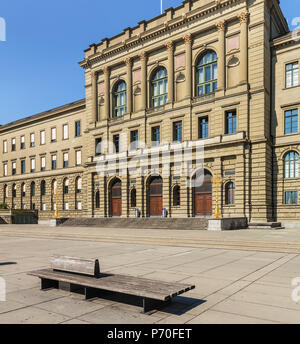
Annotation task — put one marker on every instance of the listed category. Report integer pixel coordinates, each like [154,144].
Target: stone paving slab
[232,286]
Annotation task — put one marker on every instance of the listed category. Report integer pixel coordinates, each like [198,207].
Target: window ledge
[204,97]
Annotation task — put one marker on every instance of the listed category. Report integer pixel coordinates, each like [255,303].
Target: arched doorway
[155,196]
[202,196]
[116,198]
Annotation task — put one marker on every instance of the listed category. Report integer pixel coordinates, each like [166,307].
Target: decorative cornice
[243,17]
[221,25]
[159,30]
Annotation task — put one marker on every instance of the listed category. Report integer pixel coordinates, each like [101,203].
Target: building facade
[220,74]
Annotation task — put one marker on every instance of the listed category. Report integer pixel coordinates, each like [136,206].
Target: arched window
[133,198]
[291,165]
[5,193]
[207,74]
[159,87]
[176,196]
[97,199]
[66,186]
[14,190]
[23,190]
[32,189]
[78,185]
[229,193]
[120,99]
[43,188]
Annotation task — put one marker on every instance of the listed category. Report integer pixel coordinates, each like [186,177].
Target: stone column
[128,63]
[244,46]
[106,72]
[143,57]
[170,49]
[188,69]
[94,76]
[221,56]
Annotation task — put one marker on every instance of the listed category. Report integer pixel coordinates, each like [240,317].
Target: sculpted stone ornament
[105,70]
[169,46]
[128,61]
[221,26]
[143,56]
[244,16]
[188,39]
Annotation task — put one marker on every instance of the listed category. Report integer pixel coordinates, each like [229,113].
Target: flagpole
[161,6]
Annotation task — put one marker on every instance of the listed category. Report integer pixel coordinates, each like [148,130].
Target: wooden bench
[74,274]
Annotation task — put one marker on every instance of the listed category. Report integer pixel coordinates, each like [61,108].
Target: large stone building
[221,73]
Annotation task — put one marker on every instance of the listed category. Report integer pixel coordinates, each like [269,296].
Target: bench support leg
[48,284]
[90,293]
[69,286]
[151,304]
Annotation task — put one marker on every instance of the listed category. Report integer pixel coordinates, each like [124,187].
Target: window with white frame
[5,146]
[53,134]
[291,74]
[43,163]
[5,170]
[65,131]
[43,137]
[32,140]
[22,142]
[78,157]
[32,165]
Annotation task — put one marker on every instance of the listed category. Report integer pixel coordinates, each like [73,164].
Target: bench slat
[83,266]
[118,283]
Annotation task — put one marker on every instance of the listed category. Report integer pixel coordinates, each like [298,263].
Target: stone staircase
[150,223]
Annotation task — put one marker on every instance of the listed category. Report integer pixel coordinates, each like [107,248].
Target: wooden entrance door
[203,197]
[155,197]
[116,199]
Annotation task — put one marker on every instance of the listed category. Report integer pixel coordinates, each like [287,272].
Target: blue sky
[45,41]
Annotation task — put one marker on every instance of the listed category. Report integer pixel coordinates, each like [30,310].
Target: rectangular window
[22,166]
[22,142]
[291,75]
[203,128]
[291,197]
[5,170]
[53,162]
[43,163]
[116,142]
[77,128]
[65,131]
[78,158]
[291,122]
[32,140]
[44,207]
[32,165]
[98,148]
[230,122]
[13,145]
[67,206]
[43,137]
[177,131]
[134,138]
[5,146]
[79,205]
[155,136]
[66,160]
[53,134]
[14,168]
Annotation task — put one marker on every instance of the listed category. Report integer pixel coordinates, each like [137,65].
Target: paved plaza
[240,276]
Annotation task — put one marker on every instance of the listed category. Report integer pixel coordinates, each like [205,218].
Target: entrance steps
[150,223]
[265,225]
